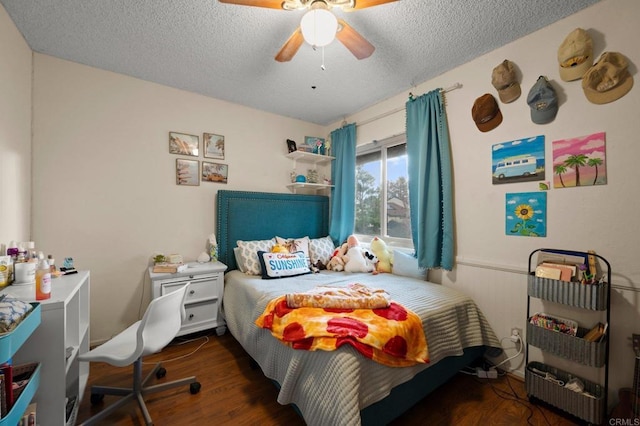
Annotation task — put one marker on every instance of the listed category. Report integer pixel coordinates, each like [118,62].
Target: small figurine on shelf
[327,147]
[291,145]
[293,175]
[318,146]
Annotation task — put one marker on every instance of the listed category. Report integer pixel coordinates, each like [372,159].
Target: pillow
[280,265]
[248,254]
[295,244]
[406,265]
[321,249]
[236,254]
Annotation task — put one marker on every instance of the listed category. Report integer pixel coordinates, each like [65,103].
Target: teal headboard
[243,215]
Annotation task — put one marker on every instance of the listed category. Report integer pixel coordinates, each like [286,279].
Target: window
[382,192]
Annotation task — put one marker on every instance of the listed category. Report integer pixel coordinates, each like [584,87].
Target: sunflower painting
[526,214]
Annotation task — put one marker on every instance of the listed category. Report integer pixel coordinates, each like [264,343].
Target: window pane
[368,169]
[398,217]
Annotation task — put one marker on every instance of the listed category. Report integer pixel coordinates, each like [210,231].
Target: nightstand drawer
[198,291]
[199,314]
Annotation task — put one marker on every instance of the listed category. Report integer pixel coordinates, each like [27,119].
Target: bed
[341,386]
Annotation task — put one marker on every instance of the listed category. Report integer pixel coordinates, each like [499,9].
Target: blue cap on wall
[543,101]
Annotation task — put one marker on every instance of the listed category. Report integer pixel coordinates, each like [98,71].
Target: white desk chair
[159,325]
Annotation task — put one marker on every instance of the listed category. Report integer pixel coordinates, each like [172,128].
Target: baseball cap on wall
[575,55]
[608,79]
[486,113]
[505,81]
[543,101]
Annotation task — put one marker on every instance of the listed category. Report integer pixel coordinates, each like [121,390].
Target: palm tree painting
[526,214]
[579,161]
[213,146]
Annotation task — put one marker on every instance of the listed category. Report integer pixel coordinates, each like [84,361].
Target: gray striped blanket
[330,388]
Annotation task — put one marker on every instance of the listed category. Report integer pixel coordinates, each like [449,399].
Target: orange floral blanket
[392,336]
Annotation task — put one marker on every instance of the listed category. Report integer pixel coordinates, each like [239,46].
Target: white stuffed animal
[372,261]
[355,260]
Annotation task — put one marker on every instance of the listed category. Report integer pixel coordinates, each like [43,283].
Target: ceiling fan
[311,25]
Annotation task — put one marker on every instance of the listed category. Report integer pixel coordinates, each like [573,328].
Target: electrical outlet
[515,331]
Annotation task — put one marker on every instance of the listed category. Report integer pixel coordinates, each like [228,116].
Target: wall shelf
[309,157]
[317,187]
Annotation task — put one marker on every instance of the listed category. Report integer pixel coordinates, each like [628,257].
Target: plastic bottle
[52,263]
[43,280]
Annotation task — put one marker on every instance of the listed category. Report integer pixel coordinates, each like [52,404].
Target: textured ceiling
[227,51]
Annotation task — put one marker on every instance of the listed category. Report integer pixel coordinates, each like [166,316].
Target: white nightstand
[204,298]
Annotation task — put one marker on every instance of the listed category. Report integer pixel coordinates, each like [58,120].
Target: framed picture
[526,214]
[183,144]
[187,172]
[215,172]
[291,145]
[213,146]
[314,144]
[579,161]
[520,160]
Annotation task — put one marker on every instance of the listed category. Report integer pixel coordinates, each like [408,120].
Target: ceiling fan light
[319,27]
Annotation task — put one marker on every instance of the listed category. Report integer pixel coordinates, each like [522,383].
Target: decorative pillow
[248,254]
[295,244]
[236,254]
[406,265]
[280,265]
[321,249]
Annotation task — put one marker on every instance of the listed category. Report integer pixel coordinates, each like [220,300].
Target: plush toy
[354,259]
[336,263]
[384,254]
[371,260]
[319,265]
[279,248]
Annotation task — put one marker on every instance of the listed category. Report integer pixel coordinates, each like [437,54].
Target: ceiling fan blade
[363,4]
[271,4]
[290,47]
[353,41]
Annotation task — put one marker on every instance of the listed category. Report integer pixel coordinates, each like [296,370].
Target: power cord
[491,371]
[520,348]
[206,340]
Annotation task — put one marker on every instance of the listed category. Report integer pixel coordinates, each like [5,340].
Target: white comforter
[330,388]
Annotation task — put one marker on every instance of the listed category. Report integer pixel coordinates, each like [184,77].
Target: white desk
[65,324]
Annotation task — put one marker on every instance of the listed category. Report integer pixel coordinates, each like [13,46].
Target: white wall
[602,218]
[15,133]
[104,188]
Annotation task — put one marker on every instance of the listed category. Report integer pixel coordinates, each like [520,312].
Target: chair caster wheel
[96,398]
[194,388]
[161,373]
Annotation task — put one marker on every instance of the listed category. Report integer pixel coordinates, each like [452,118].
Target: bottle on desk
[43,280]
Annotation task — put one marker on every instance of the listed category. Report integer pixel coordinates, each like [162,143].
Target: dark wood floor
[233,393]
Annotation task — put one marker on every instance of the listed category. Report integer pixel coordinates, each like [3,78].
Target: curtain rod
[393,111]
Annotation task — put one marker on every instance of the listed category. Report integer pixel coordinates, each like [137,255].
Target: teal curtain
[343,177]
[430,186]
